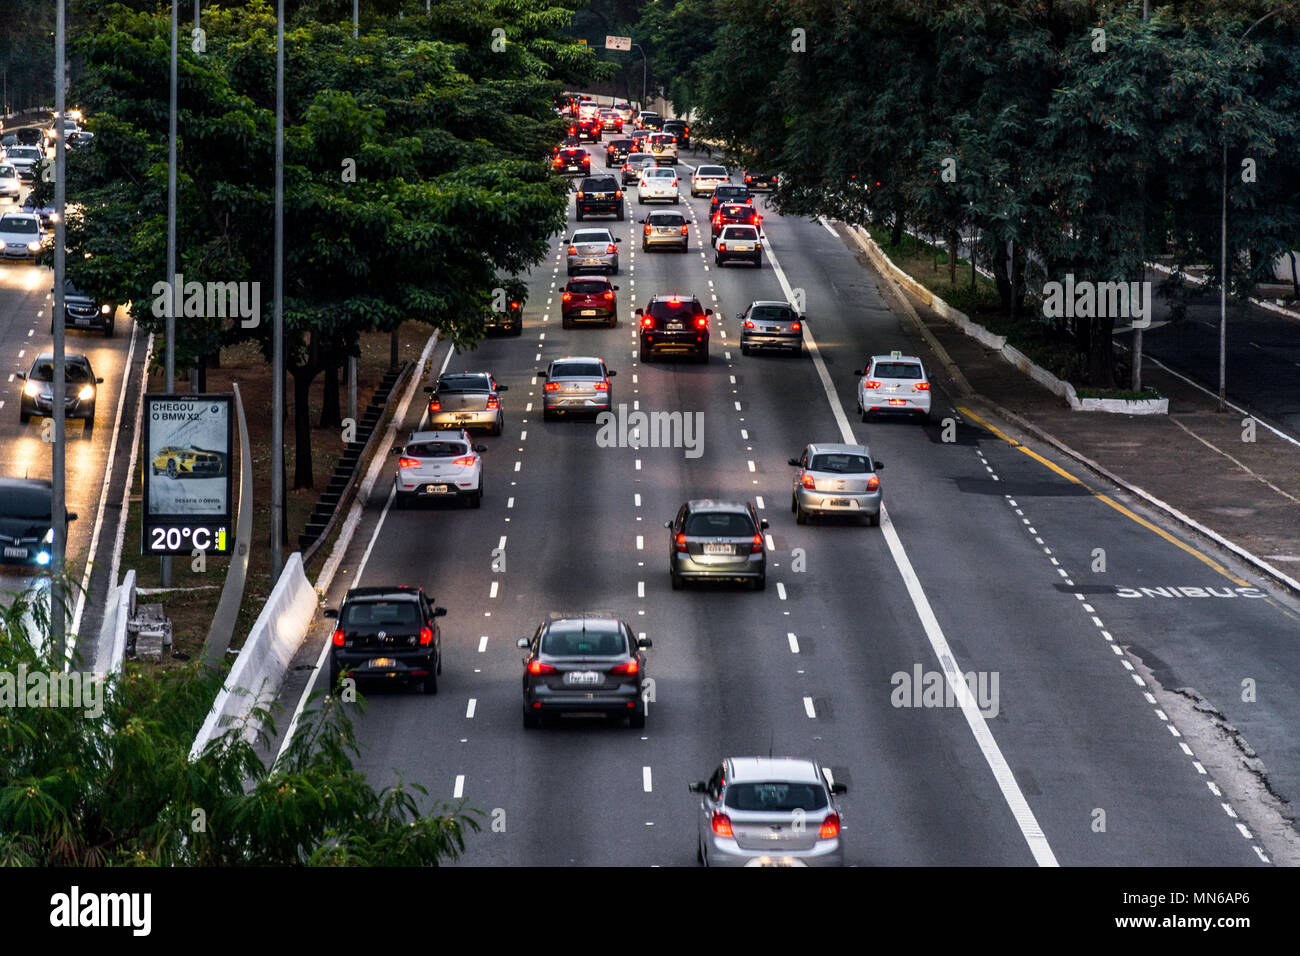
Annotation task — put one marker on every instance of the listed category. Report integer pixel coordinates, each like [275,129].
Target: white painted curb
[112,633]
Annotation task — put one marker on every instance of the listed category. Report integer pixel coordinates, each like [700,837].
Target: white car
[894,384]
[439,465]
[705,179]
[662,146]
[9,185]
[657,183]
[24,159]
[21,235]
[52,134]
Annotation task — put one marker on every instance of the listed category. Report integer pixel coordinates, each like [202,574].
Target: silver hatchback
[593,250]
[836,479]
[768,811]
[719,541]
[576,384]
[770,324]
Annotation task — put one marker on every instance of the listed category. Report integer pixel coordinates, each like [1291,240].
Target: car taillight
[610,249]
[558,161]
[426,635]
[602,386]
[757,546]
[749,324]
[870,384]
[873,483]
[572,130]
[748,179]
[537,667]
[408,462]
[551,387]
[722,247]
[674,182]
[922,386]
[514,305]
[587,160]
[830,826]
[579,195]
[493,402]
[609,296]
[573,250]
[435,405]
[631,667]
[338,638]
[647,229]
[795,327]
[722,824]
[701,323]
[753,219]
[618,194]
[647,323]
[807,480]
[681,543]
[684,227]
[717,217]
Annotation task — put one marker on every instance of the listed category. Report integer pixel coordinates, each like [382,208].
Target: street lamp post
[58,490]
[643,74]
[277,336]
[169,363]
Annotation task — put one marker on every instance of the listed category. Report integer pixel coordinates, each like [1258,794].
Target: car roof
[685,297]
[837,448]
[33,483]
[773,302]
[441,434]
[717,505]
[578,358]
[897,358]
[594,622]
[396,591]
[762,769]
[733,226]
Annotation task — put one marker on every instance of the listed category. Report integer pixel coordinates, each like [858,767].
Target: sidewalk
[1194,459]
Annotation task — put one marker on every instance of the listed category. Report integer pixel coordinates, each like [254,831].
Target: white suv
[439,465]
[894,384]
[707,178]
[659,182]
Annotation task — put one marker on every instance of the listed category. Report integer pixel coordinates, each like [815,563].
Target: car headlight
[49,537]
[32,389]
[87,393]
[104,309]
[33,247]
[43,558]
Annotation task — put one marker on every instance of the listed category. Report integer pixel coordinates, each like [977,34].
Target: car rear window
[25,152]
[740,232]
[665,219]
[731,192]
[712,171]
[776,797]
[660,172]
[682,309]
[634,158]
[772,313]
[840,463]
[599,184]
[737,211]
[577,370]
[377,613]
[619,144]
[588,286]
[588,642]
[591,236]
[436,449]
[464,383]
[719,524]
[897,370]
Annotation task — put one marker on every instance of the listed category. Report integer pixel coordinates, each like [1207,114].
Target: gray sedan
[770,324]
[836,479]
[593,250]
[586,665]
[717,540]
[467,400]
[765,811]
[576,384]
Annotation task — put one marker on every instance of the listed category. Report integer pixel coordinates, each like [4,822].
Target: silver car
[635,165]
[705,179]
[770,324]
[768,811]
[10,187]
[593,250]
[585,665]
[467,400]
[717,541]
[21,235]
[836,479]
[576,384]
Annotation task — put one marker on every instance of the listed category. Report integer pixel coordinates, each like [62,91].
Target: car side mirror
[640,311]
[763,523]
[708,311]
[99,381]
[428,389]
[541,374]
[522,642]
[838,788]
[879,465]
[72,516]
[330,612]
[618,238]
[698,787]
[439,612]
[503,388]
[610,372]
[668,525]
[740,315]
[640,222]
[22,375]
[480,448]
[615,288]
[794,461]
[397,450]
[644,642]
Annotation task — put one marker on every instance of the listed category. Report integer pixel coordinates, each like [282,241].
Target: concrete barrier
[112,632]
[264,659]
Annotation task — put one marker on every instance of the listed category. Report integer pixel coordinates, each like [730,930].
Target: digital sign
[187,476]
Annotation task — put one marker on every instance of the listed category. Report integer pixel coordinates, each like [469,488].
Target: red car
[588,129]
[589,299]
[572,159]
[733,214]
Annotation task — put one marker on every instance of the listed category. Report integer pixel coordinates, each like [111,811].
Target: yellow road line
[1105,499]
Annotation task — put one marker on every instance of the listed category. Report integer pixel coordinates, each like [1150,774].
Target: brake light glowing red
[808,481]
[647,323]
[514,305]
[566,296]
[681,543]
[795,327]
[609,296]
[830,826]
[586,159]
[551,387]
[537,667]
[573,250]
[435,405]
[493,402]
[873,483]
[408,462]
[722,824]
[684,227]
[647,229]
[610,249]
[338,638]
[674,301]
[601,386]
[701,322]
[757,546]
[722,247]
[631,667]
[922,386]
[618,194]
[426,635]
[579,195]
[749,324]
[871,384]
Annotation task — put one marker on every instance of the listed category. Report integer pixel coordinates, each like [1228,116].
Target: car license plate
[582,677]
[463,416]
[80,321]
[712,548]
[588,311]
[674,326]
[436,489]
[743,246]
[898,401]
[840,502]
[15,552]
[382,663]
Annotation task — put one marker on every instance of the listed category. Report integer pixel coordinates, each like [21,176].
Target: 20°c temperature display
[185,539]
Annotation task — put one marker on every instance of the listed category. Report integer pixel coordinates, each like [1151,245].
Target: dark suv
[616,152]
[387,632]
[600,196]
[674,323]
[760,180]
[84,311]
[679,129]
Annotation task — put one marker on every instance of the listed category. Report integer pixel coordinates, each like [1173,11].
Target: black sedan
[387,632]
[584,665]
[26,526]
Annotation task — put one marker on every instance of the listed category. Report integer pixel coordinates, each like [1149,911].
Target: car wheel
[800,516]
[866,416]
[334,676]
[579,215]
[519,329]
[647,355]
[758,261]
[440,660]
[430,685]
[548,415]
[699,849]
[794,504]
[873,520]
[476,500]
[108,330]
[744,349]
[532,721]
[25,416]
[499,426]
[640,201]
[644,247]
[761,583]
[565,323]
[717,261]
[90,413]
[703,357]
[613,321]
[614,271]
[924,418]
[636,719]
[620,215]
[677,579]
[171,469]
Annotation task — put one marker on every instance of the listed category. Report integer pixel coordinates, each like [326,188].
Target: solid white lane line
[1002,774]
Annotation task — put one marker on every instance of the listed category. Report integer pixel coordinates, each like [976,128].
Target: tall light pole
[277,348]
[643,71]
[356,16]
[1223,251]
[58,490]
[169,363]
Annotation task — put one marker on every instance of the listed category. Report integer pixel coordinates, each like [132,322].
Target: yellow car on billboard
[188,462]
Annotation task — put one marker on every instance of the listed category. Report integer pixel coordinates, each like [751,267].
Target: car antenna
[771,744]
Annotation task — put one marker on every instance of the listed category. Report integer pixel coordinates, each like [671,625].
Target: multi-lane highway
[986,562]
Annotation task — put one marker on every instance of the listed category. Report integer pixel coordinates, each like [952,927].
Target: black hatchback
[389,633]
[26,527]
[674,323]
[600,196]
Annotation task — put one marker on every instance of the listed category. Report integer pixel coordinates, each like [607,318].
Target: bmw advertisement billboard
[187,474]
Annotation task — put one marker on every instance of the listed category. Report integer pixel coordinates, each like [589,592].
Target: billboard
[187,480]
